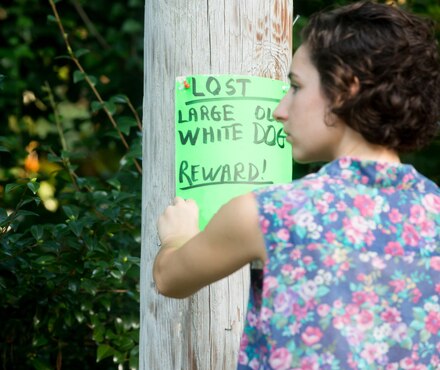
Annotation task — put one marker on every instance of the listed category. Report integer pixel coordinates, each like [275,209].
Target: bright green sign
[227,142]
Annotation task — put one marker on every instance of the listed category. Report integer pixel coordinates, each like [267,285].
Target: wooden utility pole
[185,37]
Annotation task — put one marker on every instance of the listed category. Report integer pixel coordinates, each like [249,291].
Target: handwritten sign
[227,142]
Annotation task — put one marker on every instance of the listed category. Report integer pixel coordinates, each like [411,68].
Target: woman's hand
[190,260]
[178,223]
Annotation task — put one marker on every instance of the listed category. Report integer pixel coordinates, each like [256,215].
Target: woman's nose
[280,112]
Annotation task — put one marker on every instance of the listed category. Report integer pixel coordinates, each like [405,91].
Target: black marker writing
[203,113]
[211,134]
[269,135]
[196,175]
[264,114]
[214,87]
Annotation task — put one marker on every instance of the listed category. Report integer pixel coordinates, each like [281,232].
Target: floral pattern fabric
[352,279]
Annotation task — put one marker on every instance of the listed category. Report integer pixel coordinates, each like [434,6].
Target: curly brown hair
[393,57]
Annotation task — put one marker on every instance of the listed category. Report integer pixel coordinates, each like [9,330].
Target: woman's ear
[354,87]
[350,93]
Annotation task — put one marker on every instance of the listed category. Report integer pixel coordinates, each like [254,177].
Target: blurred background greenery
[70,183]
[70,191]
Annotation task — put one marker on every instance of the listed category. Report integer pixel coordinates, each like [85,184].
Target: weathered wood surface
[182,37]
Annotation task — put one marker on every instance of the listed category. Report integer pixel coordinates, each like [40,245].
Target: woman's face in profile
[303,112]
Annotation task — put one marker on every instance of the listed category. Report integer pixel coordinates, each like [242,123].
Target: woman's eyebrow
[292,76]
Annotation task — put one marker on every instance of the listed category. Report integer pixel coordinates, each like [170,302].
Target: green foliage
[70,190]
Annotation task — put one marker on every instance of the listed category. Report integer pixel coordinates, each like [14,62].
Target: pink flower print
[365,320]
[298,273]
[254,364]
[394,249]
[309,363]
[416,295]
[410,235]
[283,303]
[391,315]
[398,285]
[307,260]
[437,288]
[282,212]
[400,332]
[351,309]
[329,261]
[427,228]
[369,238]
[435,361]
[432,203]
[345,266]
[361,297]
[244,341]
[408,177]
[432,322]
[341,206]
[270,283]
[308,290]
[364,204]
[354,336]
[269,208]
[435,263]
[283,234]
[333,217]
[299,312]
[330,237]
[351,362]
[311,336]
[344,162]
[417,214]
[295,254]
[243,358]
[395,216]
[266,313]
[252,319]
[323,309]
[295,327]
[393,366]
[388,190]
[378,263]
[328,197]
[340,322]
[322,206]
[313,246]
[280,359]
[355,229]
[407,363]
[264,224]
[286,270]
[370,353]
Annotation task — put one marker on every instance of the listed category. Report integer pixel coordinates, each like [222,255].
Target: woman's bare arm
[190,260]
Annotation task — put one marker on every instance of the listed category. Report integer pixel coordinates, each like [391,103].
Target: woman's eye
[294,88]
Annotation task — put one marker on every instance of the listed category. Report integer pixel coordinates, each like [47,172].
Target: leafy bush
[70,184]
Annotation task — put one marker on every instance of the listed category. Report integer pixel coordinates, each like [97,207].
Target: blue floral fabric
[352,279]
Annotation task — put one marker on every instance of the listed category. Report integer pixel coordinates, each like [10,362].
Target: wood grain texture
[182,37]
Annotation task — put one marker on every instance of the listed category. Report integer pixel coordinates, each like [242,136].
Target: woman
[351,254]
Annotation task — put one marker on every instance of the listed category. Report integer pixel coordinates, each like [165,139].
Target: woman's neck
[354,145]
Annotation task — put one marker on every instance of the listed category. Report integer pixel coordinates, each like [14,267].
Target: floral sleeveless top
[352,279]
